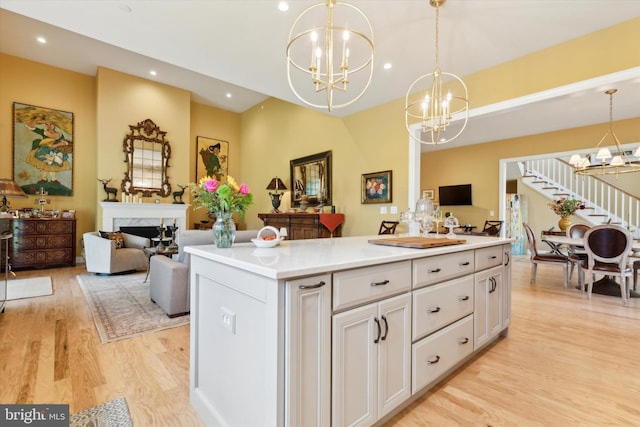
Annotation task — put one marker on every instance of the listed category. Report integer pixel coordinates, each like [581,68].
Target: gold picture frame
[212,158]
[376,187]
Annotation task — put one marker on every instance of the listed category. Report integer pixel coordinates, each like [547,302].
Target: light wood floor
[568,361]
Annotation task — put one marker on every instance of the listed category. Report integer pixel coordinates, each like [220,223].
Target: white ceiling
[216,47]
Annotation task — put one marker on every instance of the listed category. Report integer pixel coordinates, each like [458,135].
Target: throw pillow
[116,236]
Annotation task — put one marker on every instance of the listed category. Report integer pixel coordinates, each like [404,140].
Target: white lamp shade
[617,161]
[637,153]
[575,159]
[603,154]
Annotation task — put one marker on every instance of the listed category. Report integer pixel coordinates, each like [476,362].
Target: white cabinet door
[355,363]
[308,352]
[488,305]
[394,353]
[371,361]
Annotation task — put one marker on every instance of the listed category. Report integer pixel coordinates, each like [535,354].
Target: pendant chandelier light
[606,163]
[330,55]
[437,104]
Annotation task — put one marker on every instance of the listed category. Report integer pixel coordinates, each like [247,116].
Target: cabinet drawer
[439,305]
[368,284]
[488,257]
[427,271]
[437,353]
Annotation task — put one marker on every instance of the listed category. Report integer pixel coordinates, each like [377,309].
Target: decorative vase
[224,230]
[564,223]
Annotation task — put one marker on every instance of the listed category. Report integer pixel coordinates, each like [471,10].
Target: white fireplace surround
[117,214]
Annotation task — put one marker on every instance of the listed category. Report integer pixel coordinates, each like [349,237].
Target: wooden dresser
[43,242]
[301,225]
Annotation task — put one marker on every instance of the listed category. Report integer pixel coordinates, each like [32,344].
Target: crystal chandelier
[604,162]
[437,104]
[330,65]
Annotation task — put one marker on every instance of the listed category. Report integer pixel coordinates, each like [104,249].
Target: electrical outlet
[383,210]
[228,319]
[491,214]
[394,210]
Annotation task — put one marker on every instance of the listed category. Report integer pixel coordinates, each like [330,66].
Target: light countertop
[295,258]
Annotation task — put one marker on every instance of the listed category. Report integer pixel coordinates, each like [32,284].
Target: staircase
[555,178]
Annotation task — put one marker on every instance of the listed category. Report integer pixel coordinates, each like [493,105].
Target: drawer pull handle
[386,328]
[379,330]
[464,298]
[317,285]
[434,310]
[463,340]
[435,270]
[494,284]
[507,256]
[433,362]
[465,263]
[385,282]
[493,257]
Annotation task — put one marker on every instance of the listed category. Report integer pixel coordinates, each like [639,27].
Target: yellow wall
[38,84]
[266,137]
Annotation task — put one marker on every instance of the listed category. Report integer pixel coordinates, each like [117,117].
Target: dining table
[563,241]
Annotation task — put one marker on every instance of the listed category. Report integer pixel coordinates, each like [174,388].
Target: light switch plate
[383,210]
[394,210]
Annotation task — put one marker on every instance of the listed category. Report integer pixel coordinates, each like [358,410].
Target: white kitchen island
[333,332]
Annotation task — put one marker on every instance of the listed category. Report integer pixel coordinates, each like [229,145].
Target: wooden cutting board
[417,242]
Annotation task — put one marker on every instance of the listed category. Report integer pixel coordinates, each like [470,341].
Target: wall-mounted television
[454,195]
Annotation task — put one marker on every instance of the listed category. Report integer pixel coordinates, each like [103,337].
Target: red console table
[302,225]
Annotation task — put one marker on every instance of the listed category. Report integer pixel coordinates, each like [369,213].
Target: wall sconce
[276,184]
[9,188]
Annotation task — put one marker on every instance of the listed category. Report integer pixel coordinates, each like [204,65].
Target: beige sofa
[102,257]
[169,278]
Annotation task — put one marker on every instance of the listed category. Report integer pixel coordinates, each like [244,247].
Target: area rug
[28,288]
[111,414]
[121,306]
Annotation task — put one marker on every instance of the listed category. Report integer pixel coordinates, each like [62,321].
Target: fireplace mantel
[116,214]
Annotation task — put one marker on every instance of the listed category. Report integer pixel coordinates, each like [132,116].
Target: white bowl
[259,243]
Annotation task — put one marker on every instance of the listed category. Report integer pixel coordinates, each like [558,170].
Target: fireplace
[147,231]
[116,215]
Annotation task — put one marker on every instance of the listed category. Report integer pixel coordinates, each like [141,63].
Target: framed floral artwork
[212,158]
[376,187]
[43,149]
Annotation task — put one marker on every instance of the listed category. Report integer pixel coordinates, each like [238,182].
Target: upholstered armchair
[169,277]
[104,257]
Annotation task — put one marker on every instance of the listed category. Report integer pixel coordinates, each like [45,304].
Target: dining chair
[544,257]
[388,227]
[577,254]
[608,247]
[492,228]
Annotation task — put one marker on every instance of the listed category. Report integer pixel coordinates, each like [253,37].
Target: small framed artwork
[212,158]
[43,149]
[70,214]
[376,187]
[429,193]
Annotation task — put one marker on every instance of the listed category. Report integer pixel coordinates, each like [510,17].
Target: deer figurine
[177,195]
[109,190]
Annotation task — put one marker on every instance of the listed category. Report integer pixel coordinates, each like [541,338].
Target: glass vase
[224,230]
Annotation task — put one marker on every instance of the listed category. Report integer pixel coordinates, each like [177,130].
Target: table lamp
[276,184]
[9,188]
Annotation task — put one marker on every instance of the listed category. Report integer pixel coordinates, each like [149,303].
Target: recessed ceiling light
[41,39]
[283,6]
[153,73]
[228,95]
[387,65]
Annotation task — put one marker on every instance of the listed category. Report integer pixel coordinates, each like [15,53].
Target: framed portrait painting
[212,158]
[376,187]
[43,149]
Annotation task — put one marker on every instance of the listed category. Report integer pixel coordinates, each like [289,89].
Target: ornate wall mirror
[147,157]
[311,180]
